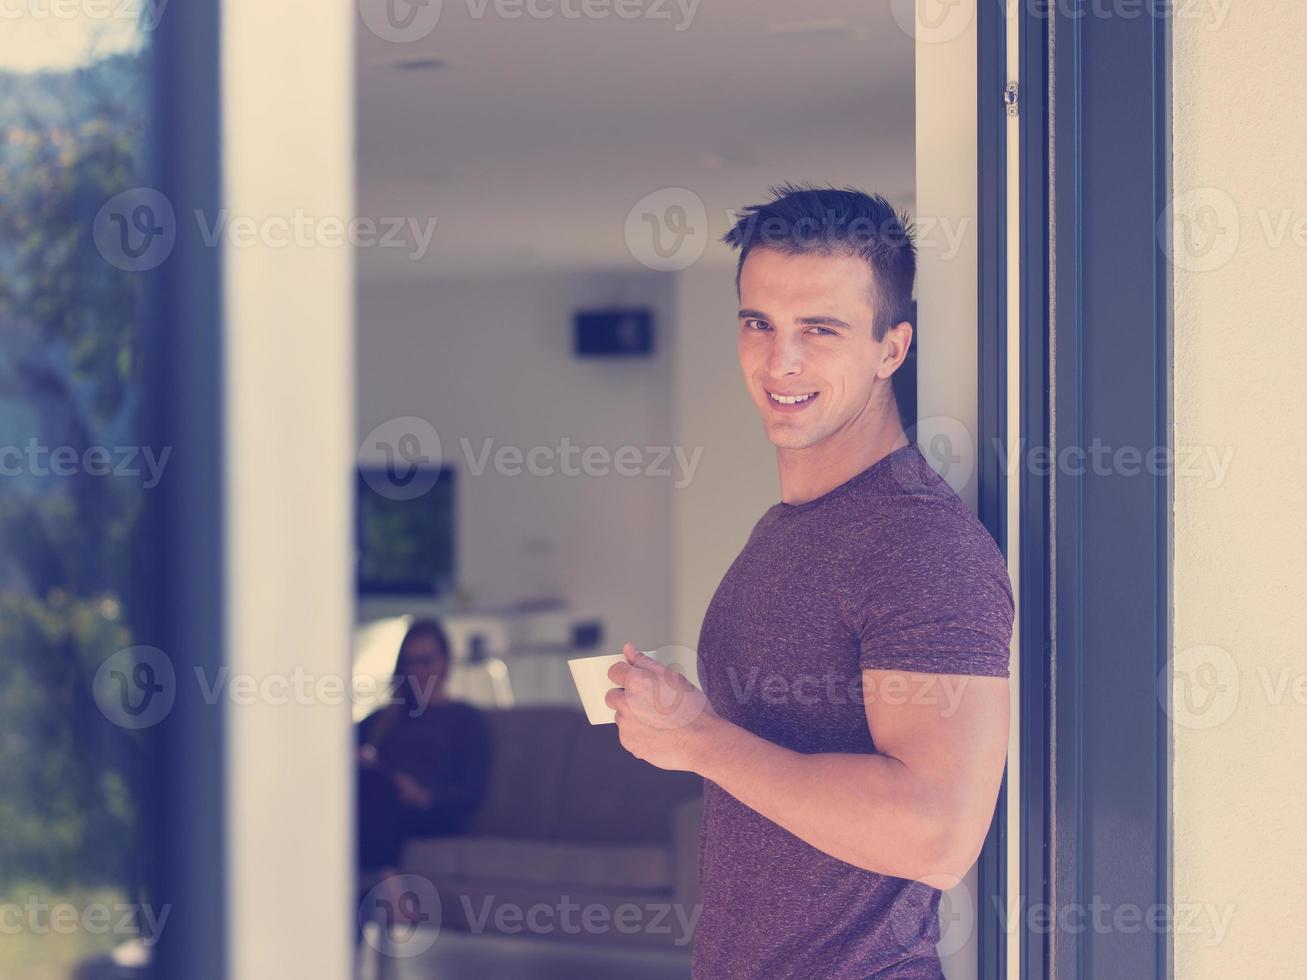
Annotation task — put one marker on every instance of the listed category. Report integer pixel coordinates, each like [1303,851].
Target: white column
[288,185]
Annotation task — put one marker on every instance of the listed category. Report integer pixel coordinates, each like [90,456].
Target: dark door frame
[1096,355]
[991,350]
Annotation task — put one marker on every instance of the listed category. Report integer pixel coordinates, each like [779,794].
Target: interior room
[557,452]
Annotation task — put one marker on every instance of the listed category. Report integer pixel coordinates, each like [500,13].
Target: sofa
[575,839]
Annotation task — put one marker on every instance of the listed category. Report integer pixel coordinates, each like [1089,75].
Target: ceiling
[530,139]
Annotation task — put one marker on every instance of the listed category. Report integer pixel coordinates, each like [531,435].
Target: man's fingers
[615,698]
[618,673]
[636,658]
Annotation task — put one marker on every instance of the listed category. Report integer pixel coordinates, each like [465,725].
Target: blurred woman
[423,759]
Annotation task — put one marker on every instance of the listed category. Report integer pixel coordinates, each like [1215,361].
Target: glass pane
[73,153]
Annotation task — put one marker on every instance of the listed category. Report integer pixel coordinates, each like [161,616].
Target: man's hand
[661,717]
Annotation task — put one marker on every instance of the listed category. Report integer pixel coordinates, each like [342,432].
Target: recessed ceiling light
[840,30]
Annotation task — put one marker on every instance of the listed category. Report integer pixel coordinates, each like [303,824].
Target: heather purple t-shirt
[888,570]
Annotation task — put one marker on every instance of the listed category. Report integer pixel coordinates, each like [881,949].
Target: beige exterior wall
[1239,700]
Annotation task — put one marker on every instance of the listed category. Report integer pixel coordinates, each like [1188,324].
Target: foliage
[70,359]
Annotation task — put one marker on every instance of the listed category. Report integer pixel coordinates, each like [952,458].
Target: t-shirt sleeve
[933,597]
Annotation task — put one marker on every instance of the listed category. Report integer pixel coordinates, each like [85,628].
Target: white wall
[947,416]
[736,480]
[491,358]
[1239,781]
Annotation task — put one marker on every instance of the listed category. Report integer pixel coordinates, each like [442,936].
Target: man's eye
[823,331]
[755,324]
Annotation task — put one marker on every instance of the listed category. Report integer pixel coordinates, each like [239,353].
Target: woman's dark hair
[422,627]
[429,628]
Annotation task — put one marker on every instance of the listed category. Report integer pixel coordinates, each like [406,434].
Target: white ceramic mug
[590,674]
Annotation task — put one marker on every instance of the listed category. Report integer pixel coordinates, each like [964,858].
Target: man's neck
[807,474]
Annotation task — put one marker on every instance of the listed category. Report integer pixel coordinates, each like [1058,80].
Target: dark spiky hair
[800,219]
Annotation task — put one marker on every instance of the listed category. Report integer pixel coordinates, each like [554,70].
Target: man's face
[806,329]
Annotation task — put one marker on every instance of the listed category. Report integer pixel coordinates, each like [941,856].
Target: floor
[449,955]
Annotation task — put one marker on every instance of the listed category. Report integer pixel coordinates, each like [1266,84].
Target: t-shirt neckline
[852,482]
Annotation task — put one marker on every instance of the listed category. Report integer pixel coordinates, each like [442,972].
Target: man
[853,725]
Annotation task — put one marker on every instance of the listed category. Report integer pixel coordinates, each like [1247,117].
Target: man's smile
[793,402]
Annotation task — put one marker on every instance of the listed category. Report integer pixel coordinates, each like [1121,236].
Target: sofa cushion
[530,757]
[610,797]
[554,776]
[628,867]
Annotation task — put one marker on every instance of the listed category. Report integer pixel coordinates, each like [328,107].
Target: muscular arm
[917,809]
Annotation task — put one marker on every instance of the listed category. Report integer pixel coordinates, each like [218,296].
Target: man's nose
[786,356]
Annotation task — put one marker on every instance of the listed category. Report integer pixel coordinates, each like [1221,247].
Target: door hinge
[1011,98]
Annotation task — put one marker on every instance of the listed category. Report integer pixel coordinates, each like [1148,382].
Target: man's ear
[897,341]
